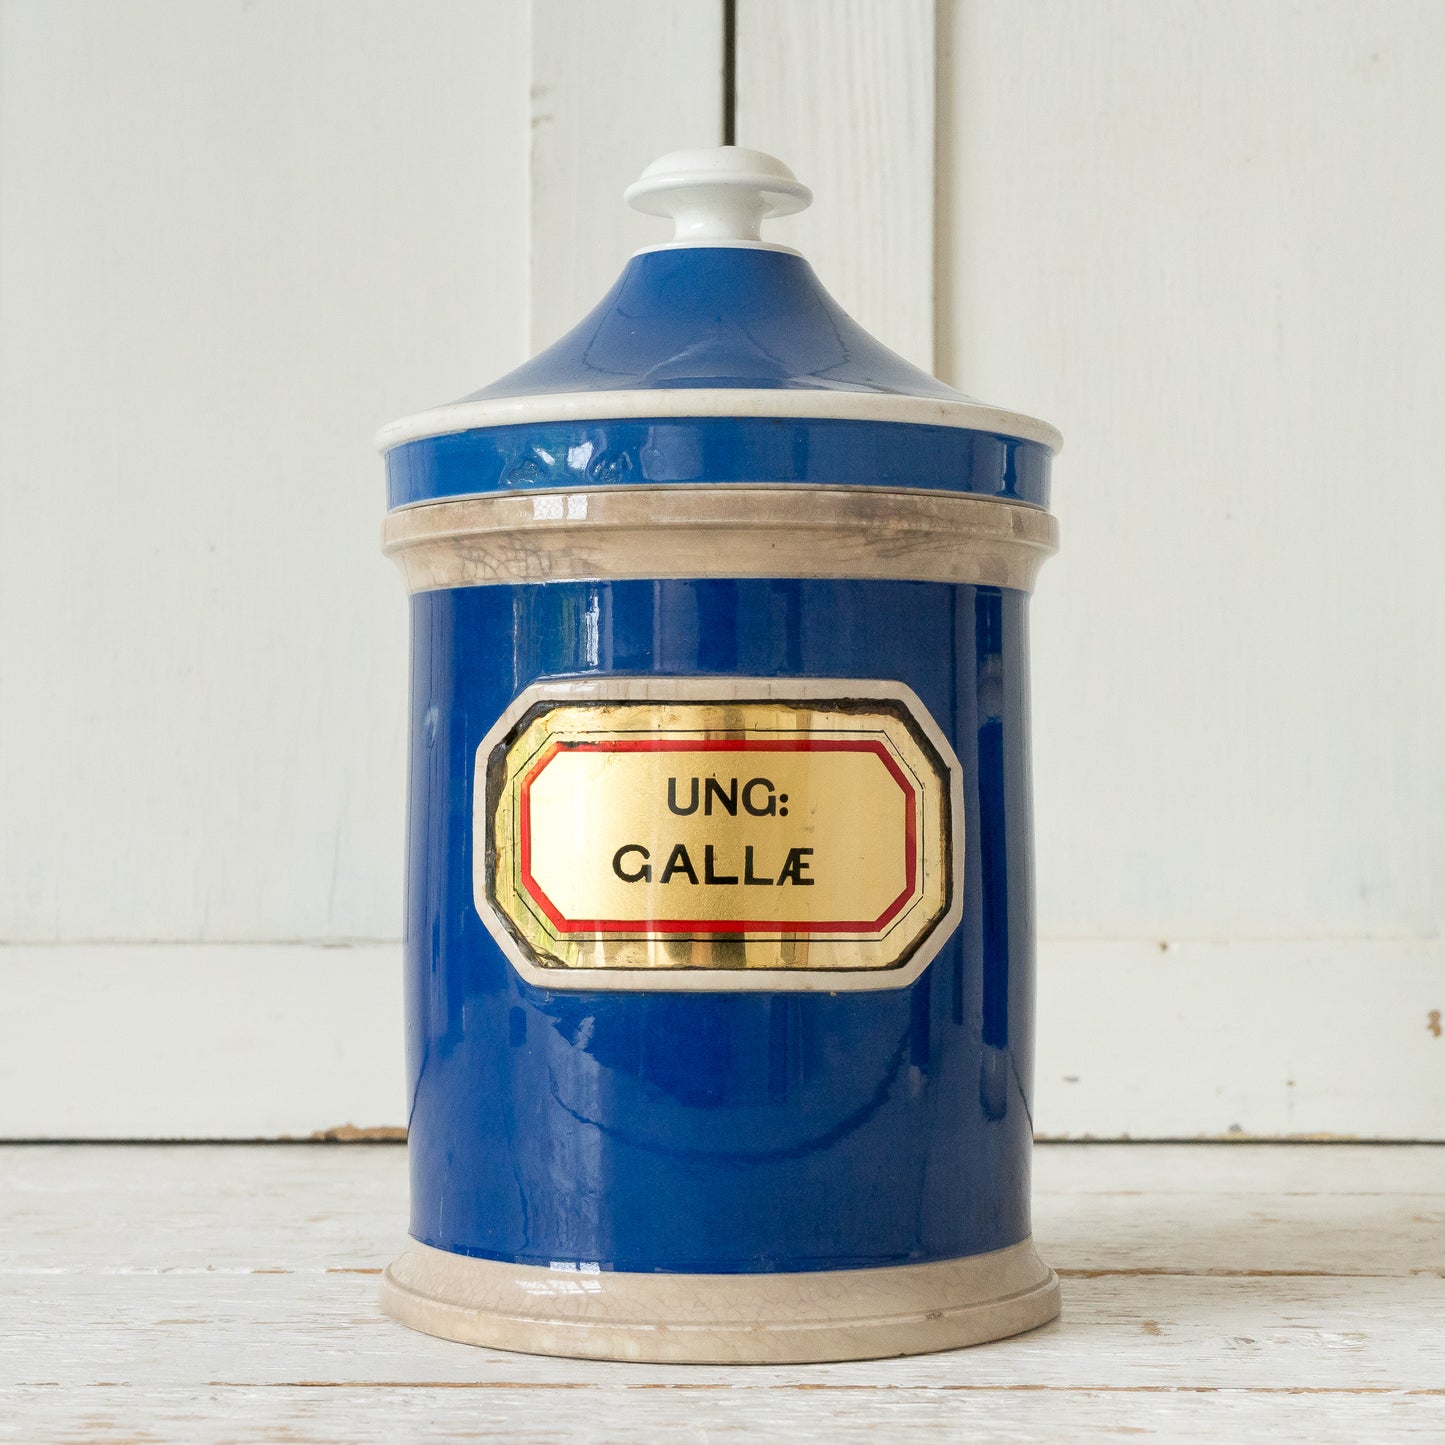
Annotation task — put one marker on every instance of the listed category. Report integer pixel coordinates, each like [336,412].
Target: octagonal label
[717,834]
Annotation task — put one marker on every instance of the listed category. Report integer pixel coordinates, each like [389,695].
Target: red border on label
[717,925]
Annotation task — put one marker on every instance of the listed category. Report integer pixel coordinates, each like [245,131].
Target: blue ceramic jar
[719,940]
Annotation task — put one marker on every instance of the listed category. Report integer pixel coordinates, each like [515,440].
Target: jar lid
[716,358]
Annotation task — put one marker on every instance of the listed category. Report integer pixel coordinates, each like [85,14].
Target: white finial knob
[721,194]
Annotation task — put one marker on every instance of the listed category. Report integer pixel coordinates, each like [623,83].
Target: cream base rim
[787,1318]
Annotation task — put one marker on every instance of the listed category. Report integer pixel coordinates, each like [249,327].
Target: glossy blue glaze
[711,450]
[726,1132]
[703,316]
[708,317]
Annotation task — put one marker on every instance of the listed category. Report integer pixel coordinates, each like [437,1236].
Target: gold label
[659,833]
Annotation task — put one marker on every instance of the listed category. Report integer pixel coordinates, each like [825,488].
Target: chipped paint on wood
[351,1134]
[206,1292]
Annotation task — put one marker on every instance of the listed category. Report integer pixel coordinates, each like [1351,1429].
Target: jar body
[721,1133]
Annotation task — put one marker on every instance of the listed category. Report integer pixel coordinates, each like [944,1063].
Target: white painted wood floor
[210,1293]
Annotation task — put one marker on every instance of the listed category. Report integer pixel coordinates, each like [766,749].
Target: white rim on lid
[805,405]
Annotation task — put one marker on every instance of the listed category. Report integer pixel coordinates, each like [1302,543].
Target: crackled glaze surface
[720,531]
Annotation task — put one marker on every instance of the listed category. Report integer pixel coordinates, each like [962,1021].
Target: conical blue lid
[717,358]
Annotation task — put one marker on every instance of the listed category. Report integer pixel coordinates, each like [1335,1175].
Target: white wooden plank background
[596,124]
[1217,271]
[234,237]
[1135,1040]
[209,1041]
[844,92]
[1209,1293]
[1203,240]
